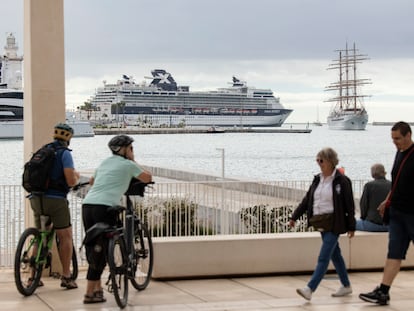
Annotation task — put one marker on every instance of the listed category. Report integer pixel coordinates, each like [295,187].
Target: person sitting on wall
[373,194]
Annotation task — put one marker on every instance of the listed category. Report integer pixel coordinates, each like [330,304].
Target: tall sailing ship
[164,103]
[348,112]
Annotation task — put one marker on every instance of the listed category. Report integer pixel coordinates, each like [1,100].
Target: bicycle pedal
[48,260]
[143,253]
[108,283]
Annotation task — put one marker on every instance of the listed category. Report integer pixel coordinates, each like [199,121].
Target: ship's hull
[14,129]
[275,118]
[11,117]
[11,129]
[348,121]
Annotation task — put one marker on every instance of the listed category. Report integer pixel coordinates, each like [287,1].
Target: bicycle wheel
[117,261]
[27,272]
[144,260]
[73,263]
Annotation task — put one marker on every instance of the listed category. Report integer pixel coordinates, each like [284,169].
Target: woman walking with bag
[329,205]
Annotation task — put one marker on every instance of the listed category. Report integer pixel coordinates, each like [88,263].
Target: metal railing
[181,209]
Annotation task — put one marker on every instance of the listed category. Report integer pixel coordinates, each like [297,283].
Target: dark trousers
[96,251]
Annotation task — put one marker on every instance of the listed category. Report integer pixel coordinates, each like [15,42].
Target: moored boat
[215,130]
[11,97]
[15,129]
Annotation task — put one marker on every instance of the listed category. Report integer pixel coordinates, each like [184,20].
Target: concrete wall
[244,185]
[258,254]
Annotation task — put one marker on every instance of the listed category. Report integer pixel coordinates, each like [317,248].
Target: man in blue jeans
[401,212]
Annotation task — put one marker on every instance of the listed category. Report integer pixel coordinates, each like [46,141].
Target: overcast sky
[284,45]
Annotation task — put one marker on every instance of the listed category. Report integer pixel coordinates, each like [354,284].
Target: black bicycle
[34,253]
[129,248]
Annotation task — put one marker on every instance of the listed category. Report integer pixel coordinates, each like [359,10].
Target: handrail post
[224,213]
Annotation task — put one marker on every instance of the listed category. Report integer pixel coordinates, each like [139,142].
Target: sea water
[258,156]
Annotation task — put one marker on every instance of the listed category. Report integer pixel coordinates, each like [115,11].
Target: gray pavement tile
[210,290]
[160,293]
[244,294]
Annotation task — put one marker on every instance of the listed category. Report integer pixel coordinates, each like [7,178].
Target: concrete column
[44,71]
[44,74]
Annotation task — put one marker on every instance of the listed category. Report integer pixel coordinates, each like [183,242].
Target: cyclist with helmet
[109,182]
[53,202]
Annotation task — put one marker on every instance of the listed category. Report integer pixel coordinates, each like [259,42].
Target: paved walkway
[254,293]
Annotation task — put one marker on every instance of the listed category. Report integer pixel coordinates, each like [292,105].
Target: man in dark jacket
[400,205]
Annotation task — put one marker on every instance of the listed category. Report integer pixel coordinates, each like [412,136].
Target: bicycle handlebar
[80,185]
[137,187]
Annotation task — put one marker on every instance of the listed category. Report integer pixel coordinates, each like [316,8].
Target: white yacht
[11,96]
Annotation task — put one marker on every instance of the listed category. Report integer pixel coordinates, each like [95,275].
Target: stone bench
[260,254]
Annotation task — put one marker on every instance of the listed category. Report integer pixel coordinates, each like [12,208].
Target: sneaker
[376,296]
[342,291]
[69,283]
[305,292]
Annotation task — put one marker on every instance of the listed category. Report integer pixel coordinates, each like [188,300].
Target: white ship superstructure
[348,112]
[163,103]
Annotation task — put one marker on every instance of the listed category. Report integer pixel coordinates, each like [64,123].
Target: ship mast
[355,79]
[340,80]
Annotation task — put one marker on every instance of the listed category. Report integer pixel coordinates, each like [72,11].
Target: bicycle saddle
[95,231]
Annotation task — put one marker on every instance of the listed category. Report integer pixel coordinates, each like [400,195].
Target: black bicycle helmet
[63,132]
[119,141]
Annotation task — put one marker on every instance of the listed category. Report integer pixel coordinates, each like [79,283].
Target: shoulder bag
[323,222]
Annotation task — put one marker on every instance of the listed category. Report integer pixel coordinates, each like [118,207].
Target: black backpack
[36,174]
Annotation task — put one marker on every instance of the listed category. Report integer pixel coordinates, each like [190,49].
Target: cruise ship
[11,96]
[164,103]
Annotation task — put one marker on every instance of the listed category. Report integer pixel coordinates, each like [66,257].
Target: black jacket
[375,191]
[343,201]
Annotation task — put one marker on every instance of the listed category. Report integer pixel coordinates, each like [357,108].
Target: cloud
[234,30]
[284,45]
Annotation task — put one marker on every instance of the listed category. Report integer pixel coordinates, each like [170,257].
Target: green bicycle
[34,253]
